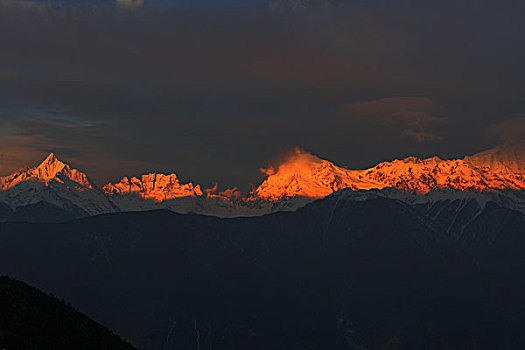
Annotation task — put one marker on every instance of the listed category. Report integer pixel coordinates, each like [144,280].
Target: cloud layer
[215,90]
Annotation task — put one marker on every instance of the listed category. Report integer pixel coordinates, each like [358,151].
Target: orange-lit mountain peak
[159,187]
[305,175]
[507,158]
[51,169]
[301,174]
[51,158]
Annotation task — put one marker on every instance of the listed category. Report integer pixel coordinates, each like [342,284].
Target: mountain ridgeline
[54,191]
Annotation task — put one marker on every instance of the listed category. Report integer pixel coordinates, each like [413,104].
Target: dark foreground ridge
[30,319]
[340,273]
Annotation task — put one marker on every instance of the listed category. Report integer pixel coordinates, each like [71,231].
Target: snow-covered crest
[300,179]
[303,174]
[57,183]
[51,169]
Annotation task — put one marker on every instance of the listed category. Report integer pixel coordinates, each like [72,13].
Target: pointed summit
[50,169]
[55,183]
[51,158]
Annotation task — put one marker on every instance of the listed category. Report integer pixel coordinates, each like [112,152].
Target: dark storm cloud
[214,92]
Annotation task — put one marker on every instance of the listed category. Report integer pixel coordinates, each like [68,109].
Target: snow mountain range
[54,191]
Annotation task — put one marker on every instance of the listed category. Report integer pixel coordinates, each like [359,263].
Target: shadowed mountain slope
[30,319]
[339,273]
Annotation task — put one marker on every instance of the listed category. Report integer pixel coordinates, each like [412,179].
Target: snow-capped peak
[507,158]
[305,175]
[300,179]
[54,182]
[50,169]
[158,187]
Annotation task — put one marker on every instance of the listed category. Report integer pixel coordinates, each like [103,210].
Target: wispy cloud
[421,136]
[509,130]
[416,115]
[129,4]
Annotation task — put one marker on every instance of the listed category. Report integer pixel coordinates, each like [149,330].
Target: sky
[216,90]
